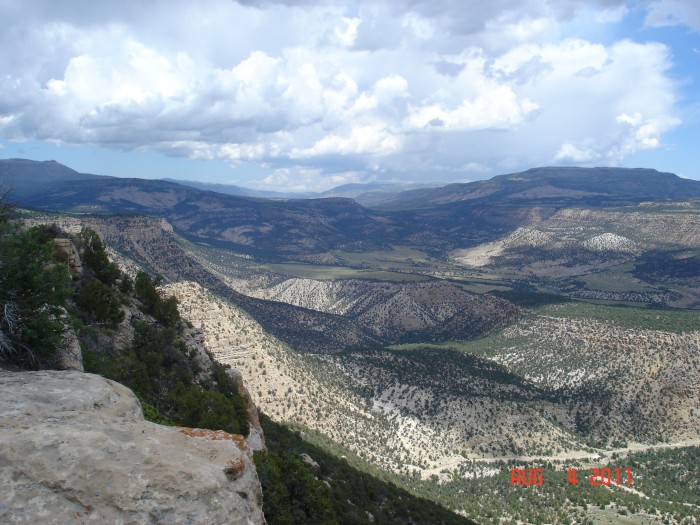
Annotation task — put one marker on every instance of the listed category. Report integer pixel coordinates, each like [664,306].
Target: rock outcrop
[256,437]
[194,339]
[69,356]
[610,242]
[74,448]
[65,251]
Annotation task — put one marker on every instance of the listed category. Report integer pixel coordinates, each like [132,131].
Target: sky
[307,95]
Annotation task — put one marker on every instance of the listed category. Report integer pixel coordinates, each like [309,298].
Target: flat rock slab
[74,448]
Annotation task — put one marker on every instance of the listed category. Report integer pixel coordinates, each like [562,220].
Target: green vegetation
[335,492]
[526,297]
[292,494]
[399,258]
[97,298]
[162,371]
[670,475]
[665,319]
[164,310]
[460,374]
[618,280]
[660,266]
[666,479]
[313,271]
[151,413]
[95,259]
[99,303]
[33,293]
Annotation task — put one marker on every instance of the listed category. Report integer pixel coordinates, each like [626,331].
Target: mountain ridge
[364,193]
[437,220]
[606,183]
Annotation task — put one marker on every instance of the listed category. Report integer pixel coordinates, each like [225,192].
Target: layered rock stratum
[75,448]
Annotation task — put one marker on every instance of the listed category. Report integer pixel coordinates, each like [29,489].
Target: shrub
[33,292]
[99,303]
[160,370]
[292,495]
[164,310]
[95,259]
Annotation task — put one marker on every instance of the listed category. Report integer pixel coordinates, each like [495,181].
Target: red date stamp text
[598,476]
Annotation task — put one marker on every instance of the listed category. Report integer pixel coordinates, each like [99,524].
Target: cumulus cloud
[633,133]
[570,153]
[361,139]
[495,108]
[319,89]
[639,132]
[674,12]
[583,126]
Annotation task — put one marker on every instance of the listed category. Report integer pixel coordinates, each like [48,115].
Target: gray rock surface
[74,448]
[65,251]
[309,461]
[69,356]
[256,436]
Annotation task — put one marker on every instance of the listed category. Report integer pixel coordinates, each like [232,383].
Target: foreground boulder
[74,448]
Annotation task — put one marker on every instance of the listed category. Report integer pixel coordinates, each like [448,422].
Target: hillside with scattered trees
[64,304]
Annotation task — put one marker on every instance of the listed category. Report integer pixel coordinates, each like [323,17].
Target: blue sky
[312,94]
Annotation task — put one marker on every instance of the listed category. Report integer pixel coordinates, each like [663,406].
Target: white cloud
[338,89]
[639,132]
[370,139]
[674,12]
[583,88]
[239,152]
[422,28]
[612,15]
[496,107]
[382,94]
[570,153]
[634,132]
[300,179]
[346,32]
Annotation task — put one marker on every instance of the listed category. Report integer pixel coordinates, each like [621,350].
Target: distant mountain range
[240,191]
[557,185]
[368,194]
[435,219]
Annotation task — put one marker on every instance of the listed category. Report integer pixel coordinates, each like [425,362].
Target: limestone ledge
[74,448]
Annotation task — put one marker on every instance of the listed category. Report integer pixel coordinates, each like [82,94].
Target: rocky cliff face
[74,448]
[65,251]
[195,339]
